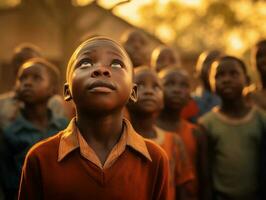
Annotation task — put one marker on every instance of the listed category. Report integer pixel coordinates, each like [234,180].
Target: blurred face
[150,95]
[176,88]
[34,84]
[165,58]
[261,60]
[22,57]
[228,79]
[136,49]
[102,78]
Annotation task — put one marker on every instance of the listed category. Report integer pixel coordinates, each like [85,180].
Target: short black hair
[53,71]
[238,60]
[24,52]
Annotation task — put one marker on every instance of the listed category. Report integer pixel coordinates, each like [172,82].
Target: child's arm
[30,183]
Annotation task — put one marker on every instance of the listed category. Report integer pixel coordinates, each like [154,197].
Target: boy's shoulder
[156,152]
[208,117]
[46,147]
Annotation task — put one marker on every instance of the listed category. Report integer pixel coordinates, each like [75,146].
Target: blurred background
[189,26]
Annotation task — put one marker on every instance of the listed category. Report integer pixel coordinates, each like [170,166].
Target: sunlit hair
[27,47]
[205,59]
[83,47]
[216,63]
[157,52]
[22,53]
[169,70]
[143,68]
[53,71]
[131,32]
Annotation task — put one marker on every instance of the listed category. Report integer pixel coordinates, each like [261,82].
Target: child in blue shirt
[36,83]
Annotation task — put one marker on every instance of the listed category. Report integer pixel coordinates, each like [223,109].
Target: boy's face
[176,90]
[150,94]
[136,49]
[261,60]
[34,84]
[102,78]
[165,59]
[228,79]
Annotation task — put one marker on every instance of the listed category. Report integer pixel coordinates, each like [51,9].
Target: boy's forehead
[31,66]
[104,44]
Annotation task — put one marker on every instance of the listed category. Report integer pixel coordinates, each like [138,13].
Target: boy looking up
[99,155]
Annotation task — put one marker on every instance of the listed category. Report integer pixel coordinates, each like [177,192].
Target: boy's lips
[101,86]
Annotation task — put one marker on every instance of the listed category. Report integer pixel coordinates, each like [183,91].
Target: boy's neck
[169,119]
[144,123]
[37,114]
[235,108]
[103,129]
[101,132]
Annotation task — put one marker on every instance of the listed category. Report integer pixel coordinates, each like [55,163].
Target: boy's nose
[101,71]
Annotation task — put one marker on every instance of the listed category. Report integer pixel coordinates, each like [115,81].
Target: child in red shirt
[176,88]
[99,155]
[143,116]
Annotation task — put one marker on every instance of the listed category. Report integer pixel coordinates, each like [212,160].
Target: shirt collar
[69,140]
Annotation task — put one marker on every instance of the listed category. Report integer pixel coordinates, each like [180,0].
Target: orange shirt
[180,168]
[188,135]
[62,167]
[75,139]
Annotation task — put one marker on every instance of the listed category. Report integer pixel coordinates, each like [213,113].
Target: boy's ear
[134,93]
[67,93]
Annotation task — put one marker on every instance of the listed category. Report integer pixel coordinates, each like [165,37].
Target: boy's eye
[86,64]
[117,64]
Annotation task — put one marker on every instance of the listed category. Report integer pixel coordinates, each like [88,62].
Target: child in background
[8,101]
[163,57]
[234,132]
[99,155]
[259,61]
[204,97]
[143,116]
[176,88]
[135,44]
[37,82]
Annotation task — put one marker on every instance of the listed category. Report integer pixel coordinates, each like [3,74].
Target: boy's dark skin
[100,85]
[228,79]
[176,86]
[176,95]
[135,44]
[34,87]
[144,112]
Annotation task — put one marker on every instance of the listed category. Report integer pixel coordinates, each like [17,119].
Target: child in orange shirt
[176,88]
[143,115]
[99,155]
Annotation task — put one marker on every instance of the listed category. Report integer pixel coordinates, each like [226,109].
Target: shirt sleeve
[30,183]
